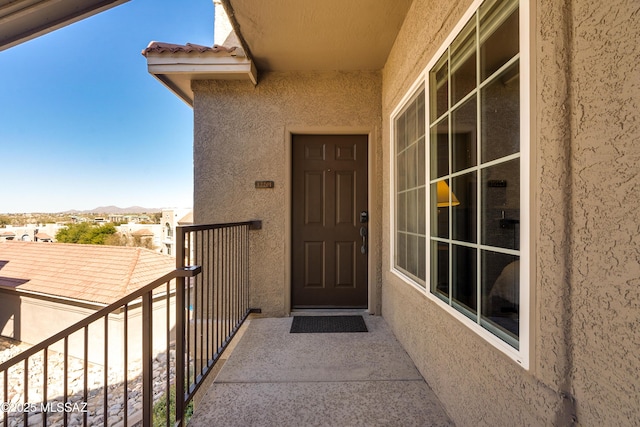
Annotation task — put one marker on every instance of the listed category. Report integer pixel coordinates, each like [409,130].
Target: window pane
[401,251]
[464,215]
[501,291]
[439,202]
[420,114]
[440,269]
[421,162]
[412,254]
[412,211]
[411,162]
[401,134]
[401,212]
[464,280]
[500,105]
[463,63]
[422,259]
[501,205]
[439,85]
[401,172]
[439,150]
[422,218]
[411,190]
[412,125]
[499,35]
[464,123]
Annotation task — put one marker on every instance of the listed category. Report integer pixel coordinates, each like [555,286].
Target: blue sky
[82,122]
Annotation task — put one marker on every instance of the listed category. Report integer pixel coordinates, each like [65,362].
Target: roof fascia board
[172,73]
[190,59]
[49,26]
[203,71]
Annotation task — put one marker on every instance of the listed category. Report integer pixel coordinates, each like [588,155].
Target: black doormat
[327,324]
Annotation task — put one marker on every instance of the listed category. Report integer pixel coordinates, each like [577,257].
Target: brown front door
[329,218]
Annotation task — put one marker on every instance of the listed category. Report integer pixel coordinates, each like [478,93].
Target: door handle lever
[363,234]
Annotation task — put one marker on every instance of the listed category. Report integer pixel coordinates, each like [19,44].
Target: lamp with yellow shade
[442,190]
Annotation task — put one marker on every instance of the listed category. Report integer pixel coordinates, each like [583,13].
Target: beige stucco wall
[242,135]
[585,358]
[605,197]
[32,320]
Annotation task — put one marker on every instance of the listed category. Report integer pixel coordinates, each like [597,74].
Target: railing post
[147,361]
[180,327]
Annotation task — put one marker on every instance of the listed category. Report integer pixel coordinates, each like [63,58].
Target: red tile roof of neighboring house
[8,233]
[160,47]
[93,273]
[187,219]
[143,232]
[43,236]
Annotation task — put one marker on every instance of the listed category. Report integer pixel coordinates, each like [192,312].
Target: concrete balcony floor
[274,378]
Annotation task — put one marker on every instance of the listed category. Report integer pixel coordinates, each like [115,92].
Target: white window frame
[522,355]
[421,81]
[421,282]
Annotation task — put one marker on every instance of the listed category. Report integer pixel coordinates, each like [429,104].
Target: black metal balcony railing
[125,363]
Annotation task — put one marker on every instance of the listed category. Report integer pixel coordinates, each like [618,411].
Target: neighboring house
[161,235]
[172,218]
[7,235]
[150,233]
[121,218]
[46,288]
[43,237]
[143,233]
[31,232]
[468,170]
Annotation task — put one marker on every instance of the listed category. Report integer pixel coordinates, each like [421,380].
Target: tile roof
[187,219]
[8,233]
[92,273]
[143,232]
[160,47]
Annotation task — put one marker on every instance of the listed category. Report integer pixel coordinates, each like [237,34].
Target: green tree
[86,233]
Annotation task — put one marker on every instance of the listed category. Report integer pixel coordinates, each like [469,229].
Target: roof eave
[332,35]
[177,71]
[22,21]
[96,305]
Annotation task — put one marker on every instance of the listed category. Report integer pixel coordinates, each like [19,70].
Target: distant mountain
[116,210]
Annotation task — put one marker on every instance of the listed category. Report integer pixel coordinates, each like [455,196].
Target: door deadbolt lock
[364,217]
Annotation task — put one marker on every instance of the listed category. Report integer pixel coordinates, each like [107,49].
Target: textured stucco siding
[605,222]
[585,321]
[241,136]
[32,320]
